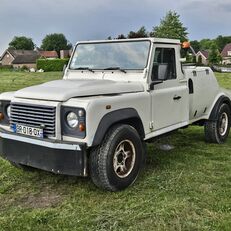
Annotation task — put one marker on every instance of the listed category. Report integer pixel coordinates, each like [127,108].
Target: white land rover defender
[115,96]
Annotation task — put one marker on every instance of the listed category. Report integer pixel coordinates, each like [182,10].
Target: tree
[121,36]
[55,42]
[22,43]
[195,45]
[214,55]
[141,33]
[221,41]
[206,44]
[170,27]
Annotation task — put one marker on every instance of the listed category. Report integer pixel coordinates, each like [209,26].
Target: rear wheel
[116,163]
[217,131]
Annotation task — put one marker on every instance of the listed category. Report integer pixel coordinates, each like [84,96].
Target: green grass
[187,188]
[12,81]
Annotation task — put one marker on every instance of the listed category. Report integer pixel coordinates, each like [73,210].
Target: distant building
[226,54]
[48,54]
[28,58]
[202,57]
[19,58]
[65,54]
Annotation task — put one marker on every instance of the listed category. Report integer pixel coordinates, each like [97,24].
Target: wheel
[116,163]
[217,131]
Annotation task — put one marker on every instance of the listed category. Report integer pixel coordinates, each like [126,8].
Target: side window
[164,65]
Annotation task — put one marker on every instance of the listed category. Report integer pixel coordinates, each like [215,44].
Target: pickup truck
[115,96]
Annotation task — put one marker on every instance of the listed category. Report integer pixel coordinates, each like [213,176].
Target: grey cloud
[90,19]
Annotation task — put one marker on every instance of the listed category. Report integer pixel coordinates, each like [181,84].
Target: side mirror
[153,83]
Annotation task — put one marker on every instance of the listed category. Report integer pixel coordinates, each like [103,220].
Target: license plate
[26,130]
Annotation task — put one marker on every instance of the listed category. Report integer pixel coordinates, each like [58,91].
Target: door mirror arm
[153,83]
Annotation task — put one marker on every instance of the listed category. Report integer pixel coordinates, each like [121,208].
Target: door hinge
[151,125]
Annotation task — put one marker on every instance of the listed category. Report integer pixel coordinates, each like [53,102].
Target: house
[65,54]
[48,54]
[28,58]
[226,54]
[19,58]
[202,57]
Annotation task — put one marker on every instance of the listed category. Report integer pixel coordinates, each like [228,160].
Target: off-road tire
[213,128]
[103,159]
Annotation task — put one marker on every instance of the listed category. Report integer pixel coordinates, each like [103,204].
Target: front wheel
[116,163]
[217,131]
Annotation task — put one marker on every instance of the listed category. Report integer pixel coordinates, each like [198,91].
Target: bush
[24,68]
[51,64]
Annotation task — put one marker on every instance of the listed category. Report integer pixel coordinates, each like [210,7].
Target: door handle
[177,97]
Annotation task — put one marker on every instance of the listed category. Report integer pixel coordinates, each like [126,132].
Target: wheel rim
[124,158]
[223,124]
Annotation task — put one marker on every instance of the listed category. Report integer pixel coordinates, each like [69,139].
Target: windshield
[120,55]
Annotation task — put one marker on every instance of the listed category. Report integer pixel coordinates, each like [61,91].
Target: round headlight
[8,111]
[72,119]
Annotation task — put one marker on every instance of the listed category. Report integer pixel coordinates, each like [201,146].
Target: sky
[98,19]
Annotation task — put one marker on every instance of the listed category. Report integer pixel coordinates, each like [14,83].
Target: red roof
[227,48]
[204,53]
[48,54]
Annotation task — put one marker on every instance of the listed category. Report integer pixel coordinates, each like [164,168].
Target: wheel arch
[222,99]
[124,116]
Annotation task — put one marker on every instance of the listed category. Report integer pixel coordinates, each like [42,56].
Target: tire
[217,131]
[116,163]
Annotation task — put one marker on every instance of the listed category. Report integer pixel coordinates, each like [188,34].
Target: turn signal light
[82,127]
[186,45]
[1,116]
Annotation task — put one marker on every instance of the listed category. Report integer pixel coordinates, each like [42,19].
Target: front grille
[34,116]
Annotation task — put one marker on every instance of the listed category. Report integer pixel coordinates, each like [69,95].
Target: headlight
[72,119]
[8,111]
[4,112]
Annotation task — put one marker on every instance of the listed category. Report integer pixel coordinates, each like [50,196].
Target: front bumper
[52,156]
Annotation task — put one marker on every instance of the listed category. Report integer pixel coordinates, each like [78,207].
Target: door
[169,99]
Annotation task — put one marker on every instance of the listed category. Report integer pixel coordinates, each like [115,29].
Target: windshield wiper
[115,68]
[83,68]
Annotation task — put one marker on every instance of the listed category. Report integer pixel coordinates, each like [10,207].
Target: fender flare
[127,115]
[220,101]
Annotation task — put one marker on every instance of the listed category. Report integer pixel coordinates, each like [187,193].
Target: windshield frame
[113,41]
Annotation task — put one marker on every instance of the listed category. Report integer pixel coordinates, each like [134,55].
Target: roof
[227,48]
[25,59]
[48,54]
[204,53]
[151,39]
[16,53]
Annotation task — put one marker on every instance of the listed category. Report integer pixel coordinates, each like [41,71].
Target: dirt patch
[46,198]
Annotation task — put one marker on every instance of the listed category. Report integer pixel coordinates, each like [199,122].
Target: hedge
[51,64]
[6,67]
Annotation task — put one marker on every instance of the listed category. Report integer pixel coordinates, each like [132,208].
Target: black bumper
[56,160]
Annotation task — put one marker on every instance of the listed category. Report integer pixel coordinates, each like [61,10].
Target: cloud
[90,19]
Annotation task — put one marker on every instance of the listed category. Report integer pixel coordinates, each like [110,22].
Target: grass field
[187,188]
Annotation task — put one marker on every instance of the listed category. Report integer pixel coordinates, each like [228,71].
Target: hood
[62,90]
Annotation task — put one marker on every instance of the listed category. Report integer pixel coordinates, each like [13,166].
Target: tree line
[170,27]
[51,42]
